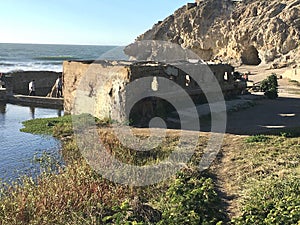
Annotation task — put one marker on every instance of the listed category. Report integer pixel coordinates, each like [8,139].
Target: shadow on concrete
[266,116]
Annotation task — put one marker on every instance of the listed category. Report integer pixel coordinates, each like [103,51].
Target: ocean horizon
[49,57]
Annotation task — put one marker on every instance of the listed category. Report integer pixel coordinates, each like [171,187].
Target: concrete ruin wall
[17,82]
[2,94]
[292,74]
[96,88]
[99,88]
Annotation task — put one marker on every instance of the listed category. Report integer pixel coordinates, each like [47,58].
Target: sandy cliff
[249,32]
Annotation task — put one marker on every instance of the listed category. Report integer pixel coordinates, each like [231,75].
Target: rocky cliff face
[249,32]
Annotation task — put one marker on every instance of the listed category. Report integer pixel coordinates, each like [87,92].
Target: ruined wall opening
[148,108]
[250,56]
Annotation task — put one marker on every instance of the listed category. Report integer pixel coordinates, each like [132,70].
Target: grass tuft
[257,138]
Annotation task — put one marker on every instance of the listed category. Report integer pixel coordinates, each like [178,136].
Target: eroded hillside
[249,32]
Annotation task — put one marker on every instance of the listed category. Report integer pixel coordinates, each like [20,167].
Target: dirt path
[225,174]
[265,116]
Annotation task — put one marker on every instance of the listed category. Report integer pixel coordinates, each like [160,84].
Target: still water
[17,149]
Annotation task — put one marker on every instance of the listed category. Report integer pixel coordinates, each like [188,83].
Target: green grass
[45,126]
[257,138]
[76,194]
[62,126]
[272,201]
[266,172]
[260,171]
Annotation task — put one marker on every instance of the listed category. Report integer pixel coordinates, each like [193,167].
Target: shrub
[270,86]
[191,200]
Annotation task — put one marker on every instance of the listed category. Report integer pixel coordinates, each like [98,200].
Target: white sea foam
[30,57]
[6,67]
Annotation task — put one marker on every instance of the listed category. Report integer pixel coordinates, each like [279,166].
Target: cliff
[243,32]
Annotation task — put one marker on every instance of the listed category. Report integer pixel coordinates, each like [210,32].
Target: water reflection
[2,107]
[59,112]
[32,111]
[17,149]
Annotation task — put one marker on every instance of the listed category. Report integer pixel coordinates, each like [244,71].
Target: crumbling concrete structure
[122,89]
[17,82]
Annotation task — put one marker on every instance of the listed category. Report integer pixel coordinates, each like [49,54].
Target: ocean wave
[55,58]
[31,67]
[7,64]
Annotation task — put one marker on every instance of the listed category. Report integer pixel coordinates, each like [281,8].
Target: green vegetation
[261,172]
[257,138]
[266,180]
[295,82]
[270,86]
[191,199]
[272,201]
[78,195]
[46,126]
[61,126]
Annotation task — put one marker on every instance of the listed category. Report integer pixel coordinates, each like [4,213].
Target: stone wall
[100,88]
[17,82]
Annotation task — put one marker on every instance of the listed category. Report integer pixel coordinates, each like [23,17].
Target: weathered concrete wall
[293,74]
[2,94]
[55,103]
[17,82]
[99,88]
[101,83]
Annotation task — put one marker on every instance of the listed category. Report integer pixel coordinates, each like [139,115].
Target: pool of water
[17,149]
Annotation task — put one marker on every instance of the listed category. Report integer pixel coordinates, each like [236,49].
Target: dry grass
[78,195]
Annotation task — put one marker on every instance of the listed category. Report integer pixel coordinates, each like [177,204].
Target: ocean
[45,57]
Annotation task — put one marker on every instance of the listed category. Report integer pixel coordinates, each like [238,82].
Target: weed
[261,172]
[257,138]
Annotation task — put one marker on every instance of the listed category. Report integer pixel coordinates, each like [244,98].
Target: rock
[248,32]
[50,124]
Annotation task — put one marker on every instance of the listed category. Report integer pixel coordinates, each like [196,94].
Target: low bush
[270,86]
[191,199]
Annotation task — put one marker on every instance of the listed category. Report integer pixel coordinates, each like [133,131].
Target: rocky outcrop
[243,32]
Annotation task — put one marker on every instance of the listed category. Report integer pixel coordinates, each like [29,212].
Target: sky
[94,22]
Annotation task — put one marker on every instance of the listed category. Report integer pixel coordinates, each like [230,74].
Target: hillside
[249,32]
